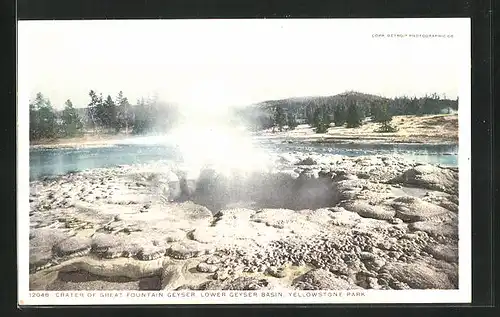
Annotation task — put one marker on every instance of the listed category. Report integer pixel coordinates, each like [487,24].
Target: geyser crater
[258,190]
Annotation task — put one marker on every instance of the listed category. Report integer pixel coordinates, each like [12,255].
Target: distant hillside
[298,104]
[319,100]
[260,115]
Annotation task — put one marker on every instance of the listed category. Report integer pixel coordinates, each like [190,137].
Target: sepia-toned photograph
[264,159]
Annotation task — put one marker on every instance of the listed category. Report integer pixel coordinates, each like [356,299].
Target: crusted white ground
[384,223]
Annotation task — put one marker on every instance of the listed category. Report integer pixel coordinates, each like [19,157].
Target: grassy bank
[90,139]
[410,129]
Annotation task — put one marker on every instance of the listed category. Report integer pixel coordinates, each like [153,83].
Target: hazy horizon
[220,63]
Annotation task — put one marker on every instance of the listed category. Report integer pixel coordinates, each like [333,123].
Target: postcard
[245,161]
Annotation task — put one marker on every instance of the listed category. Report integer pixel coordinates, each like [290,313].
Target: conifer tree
[71,122]
[94,110]
[109,114]
[310,115]
[321,121]
[141,117]
[291,121]
[339,115]
[385,119]
[43,120]
[279,118]
[124,113]
[353,117]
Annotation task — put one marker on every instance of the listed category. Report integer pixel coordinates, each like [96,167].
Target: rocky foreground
[310,223]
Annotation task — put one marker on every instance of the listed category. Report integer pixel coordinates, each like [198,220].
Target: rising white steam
[208,139]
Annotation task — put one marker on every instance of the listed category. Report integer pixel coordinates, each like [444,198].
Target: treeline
[45,122]
[349,115]
[350,109]
[101,115]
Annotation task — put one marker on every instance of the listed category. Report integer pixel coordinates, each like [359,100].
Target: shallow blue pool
[51,162]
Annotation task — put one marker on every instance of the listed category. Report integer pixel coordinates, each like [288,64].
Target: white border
[464,163]
[462,295]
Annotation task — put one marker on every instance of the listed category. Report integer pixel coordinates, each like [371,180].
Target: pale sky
[219,63]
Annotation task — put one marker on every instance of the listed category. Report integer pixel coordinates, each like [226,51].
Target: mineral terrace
[309,223]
